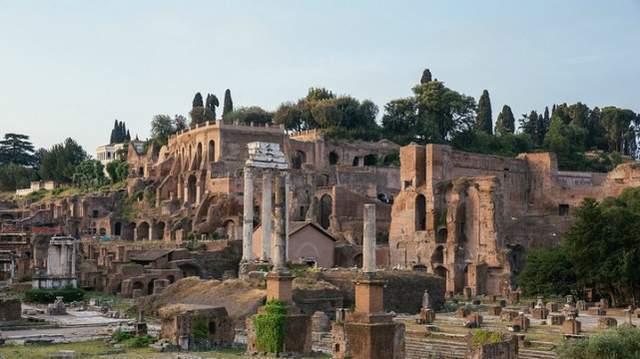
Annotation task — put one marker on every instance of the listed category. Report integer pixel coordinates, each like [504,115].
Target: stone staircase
[421,347]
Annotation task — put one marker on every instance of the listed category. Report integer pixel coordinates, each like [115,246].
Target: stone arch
[137,285]
[190,270]
[132,231]
[441,271]
[211,153]
[441,235]
[158,231]
[438,255]
[143,231]
[357,260]
[199,159]
[334,159]
[356,161]
[370,160]
[117,229]
[150,287]
[191,189]
[421,213]
[141,171]
[298,159]
[326,210]
[171,278]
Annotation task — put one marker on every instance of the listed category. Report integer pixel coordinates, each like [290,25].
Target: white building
[109,153]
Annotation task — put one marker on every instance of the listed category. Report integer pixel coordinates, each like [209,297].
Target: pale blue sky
[69,68]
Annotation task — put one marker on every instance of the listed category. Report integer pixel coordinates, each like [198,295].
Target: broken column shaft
[369,239]
[247,217]
[266,220]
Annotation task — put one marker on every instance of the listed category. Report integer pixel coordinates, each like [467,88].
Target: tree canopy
[484,119]
[16,148]
[249,115]
[119,133]
[58,163]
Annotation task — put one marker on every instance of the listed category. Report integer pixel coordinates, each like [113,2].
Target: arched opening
[137,285]
[191,189]
[421,213]
[357,260]
[141,171]
[385,199]
[420,268]
[150,287]
[189,270]
[159,231]
[370,160]
[356,161]
[171,278]
[441,271]
[143,231]
[326,209]
[441,235]
[117,229]
[198,161]
[333,158]
[438,255]
[298,159]
[211,153]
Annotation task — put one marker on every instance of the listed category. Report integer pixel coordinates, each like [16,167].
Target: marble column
[369,239]
[266,220]
[247,217]
[287,193]
[73,260]
[279,254]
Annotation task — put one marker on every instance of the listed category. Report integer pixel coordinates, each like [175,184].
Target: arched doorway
[438,255]
[421,213]
[199,159]
[117,229]
[356,161]
[357,260]
[171,278]
[333,158]
[191,189]
[298,159]
[150,287]
[326,209]
[211,153]
[370,160]
[441,235]
[159,231]
[143,231]
[440,271]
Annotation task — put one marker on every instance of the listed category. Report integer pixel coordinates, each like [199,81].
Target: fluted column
[247,217]
[266,220]
[369,239]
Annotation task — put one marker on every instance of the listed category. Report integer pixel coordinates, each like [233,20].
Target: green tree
[566,141]
[14,176]
[228,103]
[59,162]
[547,272]
[249,115]
[442,112]
[89,174]
[162,126]
[118,170]
[400,120]
[426,76]
[16,148]
[620,133]
[484,119]
[505,123]
[211,104]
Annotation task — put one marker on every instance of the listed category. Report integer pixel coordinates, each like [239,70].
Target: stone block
[495,310]
[508,315]
[553,307]
[10,310]
[521,321]
[571,327]
[555,319]
[607,322]
[427,316]
[540,313]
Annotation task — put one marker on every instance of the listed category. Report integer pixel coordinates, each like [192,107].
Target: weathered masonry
[470,218]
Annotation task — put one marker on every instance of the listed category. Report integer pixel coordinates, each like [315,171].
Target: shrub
[44,296]
[200,329]
[120,336]
[271,327]
[138,342]
[622,342]
[482,337]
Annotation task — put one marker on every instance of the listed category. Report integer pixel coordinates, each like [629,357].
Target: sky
[69,68]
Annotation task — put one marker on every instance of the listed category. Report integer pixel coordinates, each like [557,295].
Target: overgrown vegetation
[271,327]
[601,250]
[200,329]
[482,337]
[621,343]
[68,294]
[130,340]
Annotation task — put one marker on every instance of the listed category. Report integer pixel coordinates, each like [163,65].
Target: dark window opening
[212,328]
[333,158]
[563,209]
[370,160]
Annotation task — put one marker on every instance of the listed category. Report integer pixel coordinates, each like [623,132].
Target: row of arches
[366,160]
[190,163]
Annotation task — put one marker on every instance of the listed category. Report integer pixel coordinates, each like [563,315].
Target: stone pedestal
[375,340]
[495,310]
[540,313]
[556,319]
[597,311]
[508,315]
[280,287]
[553,307]
[522,322]
[427,316]
[369,296]
[473,320]
[571,326]
[607,322]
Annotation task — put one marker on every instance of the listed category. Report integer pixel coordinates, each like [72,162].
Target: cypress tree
[484,120]
[197,100]
[128,138]
[506,122]
[426,76]
[212,103]
[228,103]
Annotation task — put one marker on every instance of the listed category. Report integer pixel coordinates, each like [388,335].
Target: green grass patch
[271,327]
[45,296]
